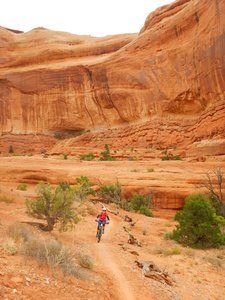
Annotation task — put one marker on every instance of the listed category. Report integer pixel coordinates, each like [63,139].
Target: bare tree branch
[214,183]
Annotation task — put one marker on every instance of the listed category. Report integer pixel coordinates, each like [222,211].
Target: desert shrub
[54,206]
[85,260]
[18,231]
[65,156]
[144,210]
[9,246]
[50,252]
[88,156]
[199,225]
[149,170]
[170,156]
[214,261]
[111,193]
[83,188]
[140,203]
[124,204]
[58,136]
[105,155]
[91,209]
[56,255]
[11,150]
[22,186]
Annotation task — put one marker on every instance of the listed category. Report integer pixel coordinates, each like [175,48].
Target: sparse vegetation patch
[88,156]
[140,203]
[22,186]
[6,199]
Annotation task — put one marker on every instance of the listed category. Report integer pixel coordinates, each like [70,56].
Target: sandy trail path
[106,257]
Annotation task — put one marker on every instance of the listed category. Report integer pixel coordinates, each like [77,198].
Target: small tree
[199,225]
[105,155]
[111,193]
[83,188]
[54,206]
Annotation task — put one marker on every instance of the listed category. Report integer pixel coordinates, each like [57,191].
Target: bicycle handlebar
[96,220]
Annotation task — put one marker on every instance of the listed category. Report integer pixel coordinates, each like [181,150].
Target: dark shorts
[101,222]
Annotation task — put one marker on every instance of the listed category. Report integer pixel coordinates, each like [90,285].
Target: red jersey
[103,216]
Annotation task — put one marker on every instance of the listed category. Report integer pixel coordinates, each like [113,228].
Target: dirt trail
[107,258]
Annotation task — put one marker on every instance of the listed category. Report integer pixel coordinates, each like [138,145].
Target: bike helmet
[103,209]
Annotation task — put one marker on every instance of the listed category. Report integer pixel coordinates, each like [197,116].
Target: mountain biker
[103,218]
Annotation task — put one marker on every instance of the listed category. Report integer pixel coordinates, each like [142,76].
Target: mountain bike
[100,229]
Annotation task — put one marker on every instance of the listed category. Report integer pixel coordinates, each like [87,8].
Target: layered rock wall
[167,81]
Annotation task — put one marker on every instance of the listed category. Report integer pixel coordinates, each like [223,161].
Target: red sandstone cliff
[163,86]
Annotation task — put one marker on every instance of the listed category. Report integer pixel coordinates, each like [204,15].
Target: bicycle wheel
[99,233]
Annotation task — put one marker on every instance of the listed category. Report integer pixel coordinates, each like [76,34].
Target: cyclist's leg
[97,229]
[104,222]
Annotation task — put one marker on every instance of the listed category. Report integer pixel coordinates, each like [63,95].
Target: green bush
[140,203]
[88,156]
[53,205]
[22,186]
[83,188]
[139,200]
[111,193]
[105,155]
[144,210]
[65,156]
[199,225]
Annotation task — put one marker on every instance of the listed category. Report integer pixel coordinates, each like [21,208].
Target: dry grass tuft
[54,254]
[10,247]
[214,261]
[6,199]
[189,252]
[85,260]
[49,252]
[167,251]
[19,231]
[91,209]
[22,186]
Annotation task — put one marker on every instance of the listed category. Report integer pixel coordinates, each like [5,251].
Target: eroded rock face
[164,86]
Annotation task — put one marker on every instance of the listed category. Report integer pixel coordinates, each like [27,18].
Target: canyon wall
[163,86]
